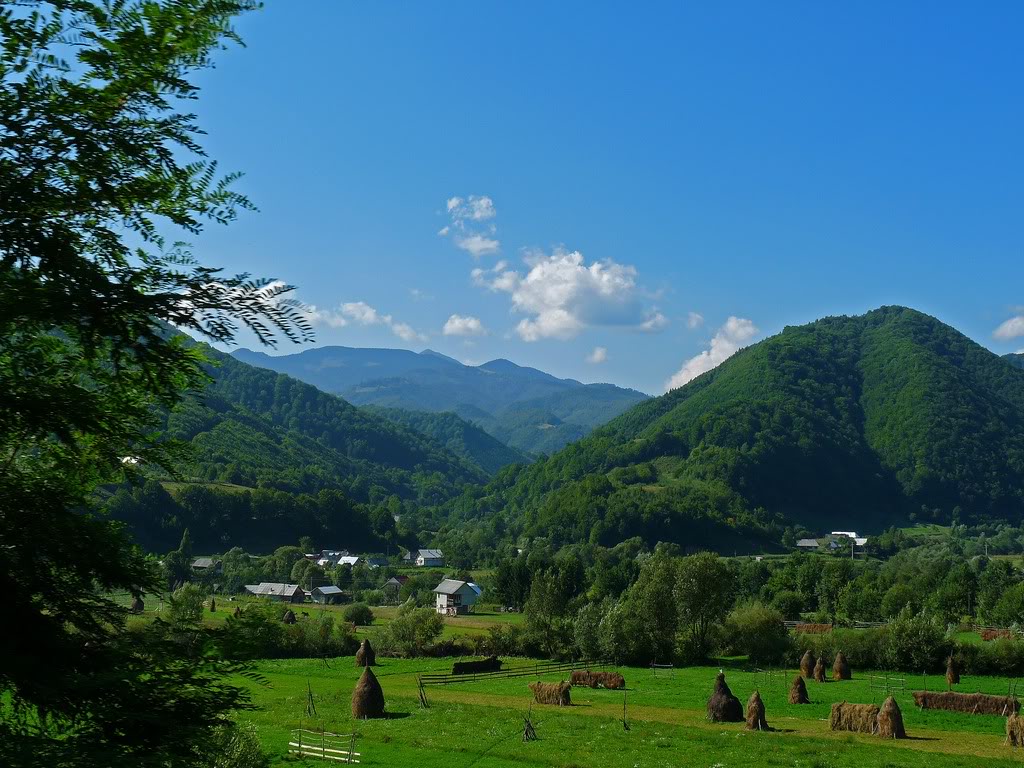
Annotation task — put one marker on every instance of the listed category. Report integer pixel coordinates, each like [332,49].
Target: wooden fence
[340,747]
[530,670]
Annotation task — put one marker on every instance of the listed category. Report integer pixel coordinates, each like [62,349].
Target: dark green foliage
[358,614]
[753,629]
[524,408]
[465,440]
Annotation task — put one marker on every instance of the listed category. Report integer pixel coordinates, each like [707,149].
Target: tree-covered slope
[1015,359]
[252,426]
[848,422]
[459,436]
[527,409]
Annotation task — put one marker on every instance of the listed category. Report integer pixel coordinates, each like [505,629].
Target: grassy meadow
[481,723]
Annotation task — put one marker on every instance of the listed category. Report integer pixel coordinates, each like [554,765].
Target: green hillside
[459,436]
[849,422]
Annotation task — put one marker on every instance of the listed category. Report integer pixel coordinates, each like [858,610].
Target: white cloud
[561,294]
[1010,329]
[466,222]
[478,245]
[694,320]
[726,342]
[463,325]
[599,355]
[361,313]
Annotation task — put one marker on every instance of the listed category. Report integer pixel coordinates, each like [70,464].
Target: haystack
[138,606]
[365,655]
[490,664]
[582,677]
[841,668]
[723,707]
[859,718]
[368,697]
[551,693]
[819,671]
[612,681]
[798,691]
[1015,730]
[890,721]
[952,671]
[289,617]
[755,713]
[807,664]
[238,612]
[213,605]
[970,703]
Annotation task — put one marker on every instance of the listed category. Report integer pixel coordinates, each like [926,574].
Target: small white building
[454,597]
[430,558]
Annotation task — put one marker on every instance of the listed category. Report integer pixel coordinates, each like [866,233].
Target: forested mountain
[528,410]
[1015,358]
[459,436]
[848,422]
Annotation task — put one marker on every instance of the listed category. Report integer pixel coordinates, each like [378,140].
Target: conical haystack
[289,617]
[213,605]
[952,672]
[138,606]
[365,656]
[890,721]
[723,707]
[755,713]
[819,671]
[237,612]
[798,691]
[807,664]
[841,668]
[1015,730]
[368,697]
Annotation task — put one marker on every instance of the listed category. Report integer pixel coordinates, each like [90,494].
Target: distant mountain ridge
[524,408]
[851,422]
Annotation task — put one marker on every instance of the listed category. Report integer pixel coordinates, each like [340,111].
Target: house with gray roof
[455,597]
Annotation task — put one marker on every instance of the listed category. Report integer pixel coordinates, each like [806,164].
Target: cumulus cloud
[560,294]
[1010,329]
[361,313]
[467,225]
[464,325]
[599,355]
[694,320]
[726,342]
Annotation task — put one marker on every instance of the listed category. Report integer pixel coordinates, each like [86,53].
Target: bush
[185,607]
[789,604]
[235,745]
[411,633]
[258,633]
[374,597]
[358,614]
[915,642]
[755,630]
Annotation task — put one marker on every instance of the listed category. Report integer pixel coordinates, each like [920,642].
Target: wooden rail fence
[340,747]
[530,670]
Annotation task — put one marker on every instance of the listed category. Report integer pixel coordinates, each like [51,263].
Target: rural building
[281,593]
[455,597]
[206,565]
[376,562]
[430,558]
[327,595]
[807,543]
[395,582]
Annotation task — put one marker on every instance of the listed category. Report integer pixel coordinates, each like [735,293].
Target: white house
[454,597]
[430,558]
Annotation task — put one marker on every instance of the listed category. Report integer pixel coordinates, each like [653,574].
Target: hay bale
[813,629]
[969,703]
[723,707]
[755,713]
[858,718]
[841,668]
[490,664]
[1015,730]
[551,693]
[137,605]
[289,617]
[995,634]
[582,677]
[368,697]
[807,664]
[819,671]
[365,655]
[798,691]
[889,723]
[952,671]
[613,681]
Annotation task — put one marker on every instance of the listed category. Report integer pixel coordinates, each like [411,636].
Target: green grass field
[480,724]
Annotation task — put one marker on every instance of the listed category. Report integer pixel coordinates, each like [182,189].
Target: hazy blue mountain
[527,409]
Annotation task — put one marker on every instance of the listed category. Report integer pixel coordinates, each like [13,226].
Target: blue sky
[663,182]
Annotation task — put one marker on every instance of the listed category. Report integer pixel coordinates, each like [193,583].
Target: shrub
[789,604]
[358,614]
[235,745]
[374,597]
[411,633]
[915,642]
[185,607]
[755,630]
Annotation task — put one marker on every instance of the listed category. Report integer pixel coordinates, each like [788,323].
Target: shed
[430,558]
[206,565]
[454,597]
[281,593]
[327,595]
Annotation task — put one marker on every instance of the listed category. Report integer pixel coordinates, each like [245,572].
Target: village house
[430,558]
[455,597]
[281,593]
[327,595]
[206,565]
